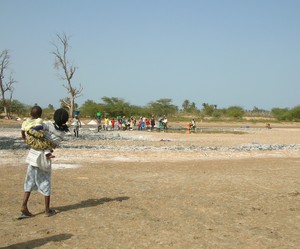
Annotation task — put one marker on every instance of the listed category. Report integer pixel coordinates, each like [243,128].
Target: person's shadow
[39,242]
[90,203]
[60,237]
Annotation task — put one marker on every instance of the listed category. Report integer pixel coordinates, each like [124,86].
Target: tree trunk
[72,102]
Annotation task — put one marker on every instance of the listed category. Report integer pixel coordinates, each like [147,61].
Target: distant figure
[106,123]
[132,123]
[147,122]
[119,123]
[124,124]
[98,118]
[152,122]
[140,124]
[77,124]
[193,125]
[268,126]
[165,123]
[113,124]
[160,124]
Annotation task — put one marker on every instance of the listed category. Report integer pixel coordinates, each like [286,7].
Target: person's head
[61,117]
[36,111]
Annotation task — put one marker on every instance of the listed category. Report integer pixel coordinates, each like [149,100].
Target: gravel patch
[10,140]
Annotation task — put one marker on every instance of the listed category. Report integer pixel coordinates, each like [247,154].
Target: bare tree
[63,64]
[6,83]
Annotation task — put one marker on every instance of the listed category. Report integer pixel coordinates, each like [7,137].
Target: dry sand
[155,190]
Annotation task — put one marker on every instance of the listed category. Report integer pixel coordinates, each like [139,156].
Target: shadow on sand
[39,242]
[90,203]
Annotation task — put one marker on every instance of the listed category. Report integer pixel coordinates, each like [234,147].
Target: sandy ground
[159,190]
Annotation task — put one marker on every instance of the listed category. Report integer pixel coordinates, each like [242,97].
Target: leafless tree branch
[62,63]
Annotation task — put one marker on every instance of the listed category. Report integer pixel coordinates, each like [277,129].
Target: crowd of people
[132,123]
[123,123]
[105,123]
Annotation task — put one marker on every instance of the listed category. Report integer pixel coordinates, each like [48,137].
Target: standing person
[165,123]
[160,123]
[106,123]
[193,125]
[113,123]
[119,123]
[152,122]
[132,123]
[98,118]
[124,124]
[140,122]
[147,122]
[77,124]
[143,125]
[32,131]
[38,176]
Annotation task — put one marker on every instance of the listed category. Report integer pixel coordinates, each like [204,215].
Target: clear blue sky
[223,52]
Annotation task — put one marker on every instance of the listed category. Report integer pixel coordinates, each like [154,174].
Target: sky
[223,52]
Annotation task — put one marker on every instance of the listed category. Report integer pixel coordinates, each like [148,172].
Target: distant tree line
[114,106]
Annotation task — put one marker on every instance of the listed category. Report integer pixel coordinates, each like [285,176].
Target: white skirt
[37,180]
